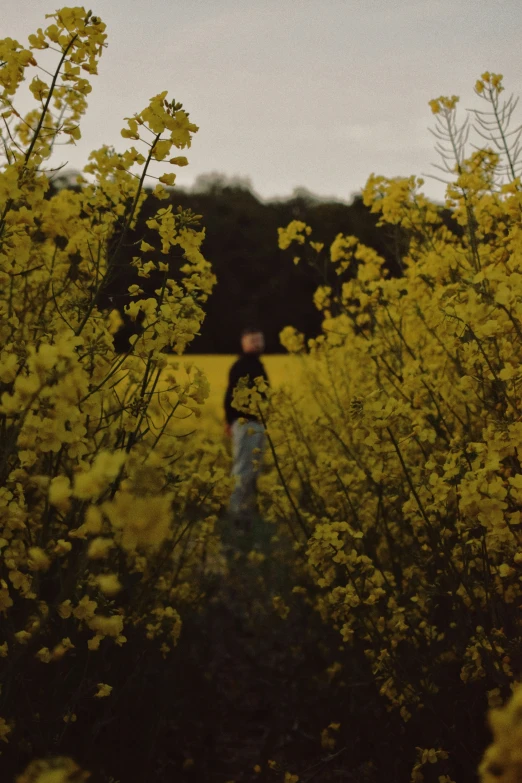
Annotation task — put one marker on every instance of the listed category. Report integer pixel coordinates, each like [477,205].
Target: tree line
[257,283]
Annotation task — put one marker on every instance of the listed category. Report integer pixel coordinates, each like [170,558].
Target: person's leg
[256,443]
[258,447]
[239,468]
[247,453]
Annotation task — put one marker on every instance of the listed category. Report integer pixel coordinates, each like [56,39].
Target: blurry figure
[248,438]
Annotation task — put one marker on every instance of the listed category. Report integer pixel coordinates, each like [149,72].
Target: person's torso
[249,366]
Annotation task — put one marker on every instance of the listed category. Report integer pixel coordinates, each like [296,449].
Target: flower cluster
[399,472]
[502,760]
[106,514]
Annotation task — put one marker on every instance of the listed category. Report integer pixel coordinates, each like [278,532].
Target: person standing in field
[248,437]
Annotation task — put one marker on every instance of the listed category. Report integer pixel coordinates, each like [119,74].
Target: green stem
[47,102]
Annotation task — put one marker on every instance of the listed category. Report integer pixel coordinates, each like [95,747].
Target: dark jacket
[248,365]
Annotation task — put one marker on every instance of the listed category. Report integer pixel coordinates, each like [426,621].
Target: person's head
[252,340]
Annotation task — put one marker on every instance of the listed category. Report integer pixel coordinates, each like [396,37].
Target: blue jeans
[248,443]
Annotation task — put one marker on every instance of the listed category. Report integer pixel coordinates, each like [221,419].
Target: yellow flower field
[282,369]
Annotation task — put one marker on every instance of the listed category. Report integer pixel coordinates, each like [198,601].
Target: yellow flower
[61,648]
[327,741]
[292,340]
[38,560]
[162,149]
[109,584]
[443,102]
[167,179]
[44,655]
[140,522]
[496,82]
[5,730]
[160,193]
[62,547]
[85,609]
[37,40]
[99,548]
[39,88]
[55,770]
[132,131]
[93,644]
[296,231]
[280,607]
[106,626]
[103,691]
[505,752]
[94,481]
[22,637]
[65,609]
[115,321]
[93,520]
[5,599]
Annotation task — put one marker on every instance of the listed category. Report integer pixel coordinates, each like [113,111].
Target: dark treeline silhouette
[257,283]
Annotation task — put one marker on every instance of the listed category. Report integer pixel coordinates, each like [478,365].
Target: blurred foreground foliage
[398,465]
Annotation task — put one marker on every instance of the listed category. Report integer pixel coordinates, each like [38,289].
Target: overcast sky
[293,93]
